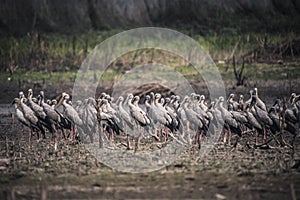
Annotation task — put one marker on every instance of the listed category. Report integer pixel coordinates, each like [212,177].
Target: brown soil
[37,172]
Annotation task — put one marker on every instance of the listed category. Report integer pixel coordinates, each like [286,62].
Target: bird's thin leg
[200,140]
[74,133]
[158,133]
[92,135]
[189,133]
[229,137]
[99,136]
[265,135]
[22,131]
[29,138]
[70,135]
[102,131]
[162,132]
[54,131]
[111,135]
[55,144]
[137,139]
[236,142]
[201,137]
[195,137]
[137,143]
[30,135]
[281,140]
[224,137]
[104,134]
[43,134]
[256,137]
[100,140]
[182,132]
[243,128]
[166,134]
[54,136]
[38,136]
[128,142]
[63,134]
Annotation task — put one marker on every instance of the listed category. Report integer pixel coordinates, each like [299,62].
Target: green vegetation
[258,71]
[50,52]
[220,46]
[264,71]
[56,57]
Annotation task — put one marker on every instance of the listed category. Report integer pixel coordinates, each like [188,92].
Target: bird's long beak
[291,100]
[12,103]
[59,102]
[253,101]
[101,103]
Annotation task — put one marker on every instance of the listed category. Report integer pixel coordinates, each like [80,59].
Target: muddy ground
[35,171]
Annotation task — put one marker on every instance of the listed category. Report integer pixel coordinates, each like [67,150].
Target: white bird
[31,118]
[70,113]
[259,102]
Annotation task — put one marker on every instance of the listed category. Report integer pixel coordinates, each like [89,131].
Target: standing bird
[217,118]
[253,123]
[241,106]
[296,106]
[53,118]
[279,125]
[89,118]
[160,115]
[109,115]
[202,103]
[39,112]
[127,121]
[230,123]
[107,122]
[64,123]
[259,102]
[70,113]
[248,102]
[178,107]
[195,122]
[232,105]
[140,117]
[172,112]
[294,98]
[19,113]
[29,115]
[262,117]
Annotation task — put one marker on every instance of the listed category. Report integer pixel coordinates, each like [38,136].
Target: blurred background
[196,16]
[43,43]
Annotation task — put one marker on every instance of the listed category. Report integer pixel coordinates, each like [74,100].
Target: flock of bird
[190,120]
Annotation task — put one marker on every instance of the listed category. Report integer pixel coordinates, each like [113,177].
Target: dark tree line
[23,16]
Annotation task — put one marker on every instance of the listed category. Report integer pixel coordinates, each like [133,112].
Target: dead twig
[240,78]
